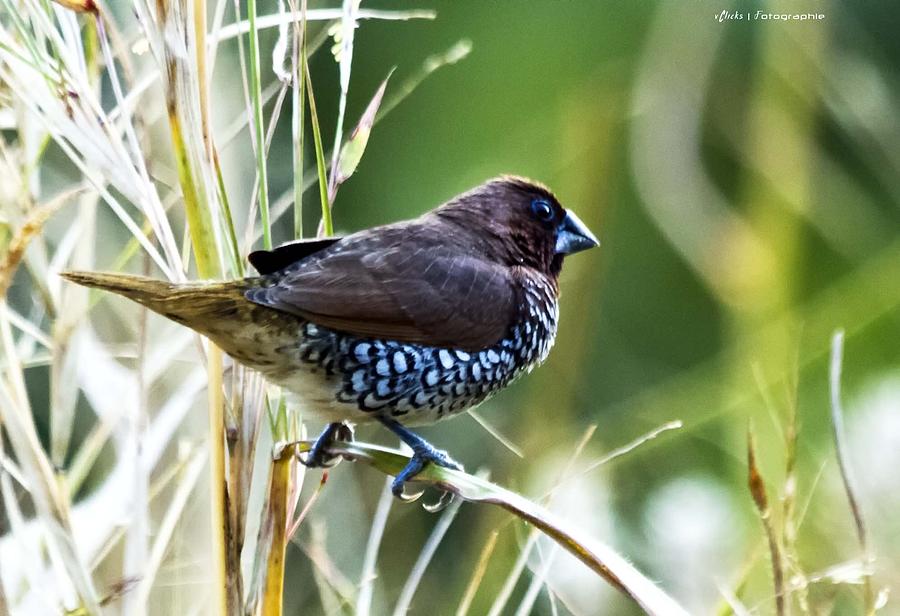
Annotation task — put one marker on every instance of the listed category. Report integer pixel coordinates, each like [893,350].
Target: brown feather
[409,283]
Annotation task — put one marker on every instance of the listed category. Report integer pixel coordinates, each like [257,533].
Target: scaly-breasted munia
[404,324]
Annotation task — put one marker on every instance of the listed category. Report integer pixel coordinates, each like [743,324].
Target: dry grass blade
[758,492]
[273,21]
[50,503]
[218,477]
[335,589]
[599,557]
[493,431]
[188,480]
[477,574]
[453,55]
[273,589]
[295,525]
[734,604]
[840,446]
[186,109]
[31,226]
[26,545]
[299,52]
[79,6]
[367,578]
[537,581]
[676,424]
[425,556]
[512,579]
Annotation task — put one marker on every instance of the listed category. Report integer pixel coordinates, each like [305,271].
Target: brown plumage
[404,323]
[450,278]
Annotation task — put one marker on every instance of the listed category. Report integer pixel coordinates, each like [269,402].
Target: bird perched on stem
[403,324]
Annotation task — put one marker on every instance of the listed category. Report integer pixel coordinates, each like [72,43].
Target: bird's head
[520,222]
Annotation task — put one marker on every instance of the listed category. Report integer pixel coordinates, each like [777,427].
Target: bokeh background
[744,179]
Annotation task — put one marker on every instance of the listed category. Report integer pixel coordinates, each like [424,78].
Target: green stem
[299,104]
[258,128]
[327,225]
[236,262]
[198,218]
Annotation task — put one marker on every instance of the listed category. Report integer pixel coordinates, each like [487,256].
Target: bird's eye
[542,210]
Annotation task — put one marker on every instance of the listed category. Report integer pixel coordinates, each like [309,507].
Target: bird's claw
[404,497]
[442,502]
[423,453]
[421,457]
[318,456]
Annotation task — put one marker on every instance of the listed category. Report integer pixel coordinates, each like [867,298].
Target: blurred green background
[743,179]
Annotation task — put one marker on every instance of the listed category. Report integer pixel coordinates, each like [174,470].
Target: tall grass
[78,87]
[97,103]
[137,137]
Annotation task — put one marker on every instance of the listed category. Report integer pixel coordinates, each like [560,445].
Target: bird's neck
[539,315]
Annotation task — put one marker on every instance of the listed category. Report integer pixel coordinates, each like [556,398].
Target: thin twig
[758,492]
[840,446]
[537,581]
[493,431]
[307,507]
[615,454]
[425,556]
[477,574]
[515,573]
[367,578]
[629,447]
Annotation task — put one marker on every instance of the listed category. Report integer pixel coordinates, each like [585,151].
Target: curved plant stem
[840,447]
[599,557]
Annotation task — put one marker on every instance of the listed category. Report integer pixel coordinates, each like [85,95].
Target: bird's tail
[194,304]
[250,333]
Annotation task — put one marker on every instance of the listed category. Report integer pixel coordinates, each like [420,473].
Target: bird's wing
[401,287]
[271,261]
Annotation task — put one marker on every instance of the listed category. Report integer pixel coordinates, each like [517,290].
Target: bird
[403,324]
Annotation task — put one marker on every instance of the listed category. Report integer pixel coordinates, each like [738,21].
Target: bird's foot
[318,456]
[423,454]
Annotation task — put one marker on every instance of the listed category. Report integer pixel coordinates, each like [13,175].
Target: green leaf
[352,150]
[326,226]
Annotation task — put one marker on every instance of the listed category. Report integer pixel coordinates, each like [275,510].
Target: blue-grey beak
[573,236]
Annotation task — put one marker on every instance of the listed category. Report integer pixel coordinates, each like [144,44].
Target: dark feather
[271,261]
[413,282]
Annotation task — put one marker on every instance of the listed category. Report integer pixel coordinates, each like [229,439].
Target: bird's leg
[318,456]
[423,453]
